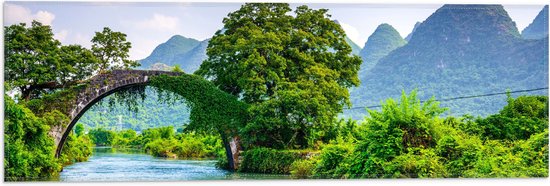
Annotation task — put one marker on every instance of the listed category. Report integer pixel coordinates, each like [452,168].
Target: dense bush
[265,160]
[102,137]
[330,158]
[409,140]
[125,139]
[302,168]
[417,163]
[76,149]
[29,153]
[163,142]
[161,147]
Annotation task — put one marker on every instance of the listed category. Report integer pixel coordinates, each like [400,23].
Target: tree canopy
[36,62]
[293,68]
[111,48]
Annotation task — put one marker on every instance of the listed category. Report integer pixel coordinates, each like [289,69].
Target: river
[107,164]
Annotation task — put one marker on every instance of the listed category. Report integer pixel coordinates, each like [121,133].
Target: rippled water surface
[109,165]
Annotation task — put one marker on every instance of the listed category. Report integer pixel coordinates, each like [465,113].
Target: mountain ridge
[452,55]
[537,29]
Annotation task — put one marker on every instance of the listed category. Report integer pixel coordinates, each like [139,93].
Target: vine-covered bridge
[104,84]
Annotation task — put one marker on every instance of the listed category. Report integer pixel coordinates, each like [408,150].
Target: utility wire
[461,97]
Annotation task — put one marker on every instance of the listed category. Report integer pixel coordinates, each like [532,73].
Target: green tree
[102,137]
[111,48]
[295,71]
[177,68]
[79,129]
[36,62]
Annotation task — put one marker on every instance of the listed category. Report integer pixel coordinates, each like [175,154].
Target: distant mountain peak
[408,38]
[467,23]
[165,52]
[384,40]
[539,27]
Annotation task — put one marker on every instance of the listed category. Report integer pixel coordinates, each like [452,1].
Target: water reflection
[108,164]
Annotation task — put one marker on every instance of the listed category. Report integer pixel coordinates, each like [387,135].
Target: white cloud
[61,36]
[142,47]
[15,14]
[44,17]
[83,40]
[352,33]
[159,22]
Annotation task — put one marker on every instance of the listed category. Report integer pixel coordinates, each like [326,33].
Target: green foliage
[126,139]
[177,68]
[32,53]
[417,163]
[265,160]
[330,158]
[355,49]
[163,142]
[111,48]
[526,106]
[302,168]
[183,145]
[212,110]
[521,118]
[392,131]
[293,68]
[79,129]
[341,131]
[408,140]
[76,149]
[28,150]
[102,137]
[150,112]
[161,147]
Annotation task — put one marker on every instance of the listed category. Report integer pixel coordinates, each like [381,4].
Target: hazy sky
[149,24]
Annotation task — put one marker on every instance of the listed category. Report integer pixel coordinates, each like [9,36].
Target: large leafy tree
[112,50]
[36,62]
[294,69]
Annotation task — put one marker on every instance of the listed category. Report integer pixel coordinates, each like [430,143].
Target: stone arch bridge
[105,84]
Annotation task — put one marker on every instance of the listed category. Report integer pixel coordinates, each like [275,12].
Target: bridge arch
[211,108]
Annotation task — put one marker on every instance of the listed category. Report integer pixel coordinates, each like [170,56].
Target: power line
[461,97]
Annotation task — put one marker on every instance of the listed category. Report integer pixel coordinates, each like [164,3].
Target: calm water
[107,164]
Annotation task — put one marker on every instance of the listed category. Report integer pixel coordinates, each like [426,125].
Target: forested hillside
[458,51]
[150,114]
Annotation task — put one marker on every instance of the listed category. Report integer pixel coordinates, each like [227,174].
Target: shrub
[222,163]
[265,160]
[391,132]
[161,148]
[302,168]
[417,163]
[76,149]
[190,148]
[102,137]
[29,153]
[330,157]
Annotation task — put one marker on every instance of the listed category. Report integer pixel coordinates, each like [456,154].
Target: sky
[150,24]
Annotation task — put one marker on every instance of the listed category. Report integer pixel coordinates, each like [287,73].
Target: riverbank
[109,164]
